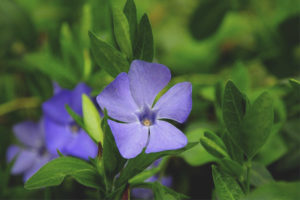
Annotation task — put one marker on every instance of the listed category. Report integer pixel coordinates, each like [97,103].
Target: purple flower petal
[30,133]
[38,163]
[11,152]
[176,103]
[130,138]
[117,99]
[24,161]
[82,146]
[165,136]
[55,109]
[146,81]
[76,99]
[57,135]
[56,88]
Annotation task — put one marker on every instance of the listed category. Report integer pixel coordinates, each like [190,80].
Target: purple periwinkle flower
[62,132]
[33,153]
[130,99]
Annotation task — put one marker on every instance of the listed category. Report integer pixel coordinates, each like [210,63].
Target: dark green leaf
[112,160]
[162,192]
[259,175]
[226,186]
[107,57]
[130,12]
[208,17]
[214,145]
[122,31]
[276,191]
[78,119]
[232,167]
[142,161]
[234,109]
[143,176]
[143,48]
[257,125]
[54,172]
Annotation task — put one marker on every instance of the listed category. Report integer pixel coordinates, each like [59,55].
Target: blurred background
[255,43]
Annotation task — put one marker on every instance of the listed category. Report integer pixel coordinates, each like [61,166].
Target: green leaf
[234,150]
[107,57]
[232,167]
[208,17]
[143,49]
[257,125]
[259,175]
[78,119]
[162,192]
[234,109]
[226,186]
[130,13]
[121,31]
[214,145]
[91,118]
[273,149]
[54,172]
[142,161]
[197,155]
[276,191]
[240,76]
[112,160]
[143,176]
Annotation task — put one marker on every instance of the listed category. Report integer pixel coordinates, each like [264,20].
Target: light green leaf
[214,145]
[107,57]
[54,172]
[91,118]
[226,186]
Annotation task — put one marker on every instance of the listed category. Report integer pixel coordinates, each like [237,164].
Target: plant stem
[248,165]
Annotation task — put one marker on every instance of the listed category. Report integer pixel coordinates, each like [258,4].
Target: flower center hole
[75,128]
[146,122]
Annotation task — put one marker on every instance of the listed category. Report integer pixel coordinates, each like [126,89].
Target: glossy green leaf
[54,172]
[107,57]
[208,17]
[113,162]
[91,118]
[131,15]
[226,186]
[143,176]
[144,47]
[214,145]
[142,161]
[276,191]
[122,31]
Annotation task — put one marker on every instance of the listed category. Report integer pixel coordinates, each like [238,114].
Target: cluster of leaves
[247,128]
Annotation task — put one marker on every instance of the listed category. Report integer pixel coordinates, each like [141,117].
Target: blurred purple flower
[130,97]
[33,154]
[62,132]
